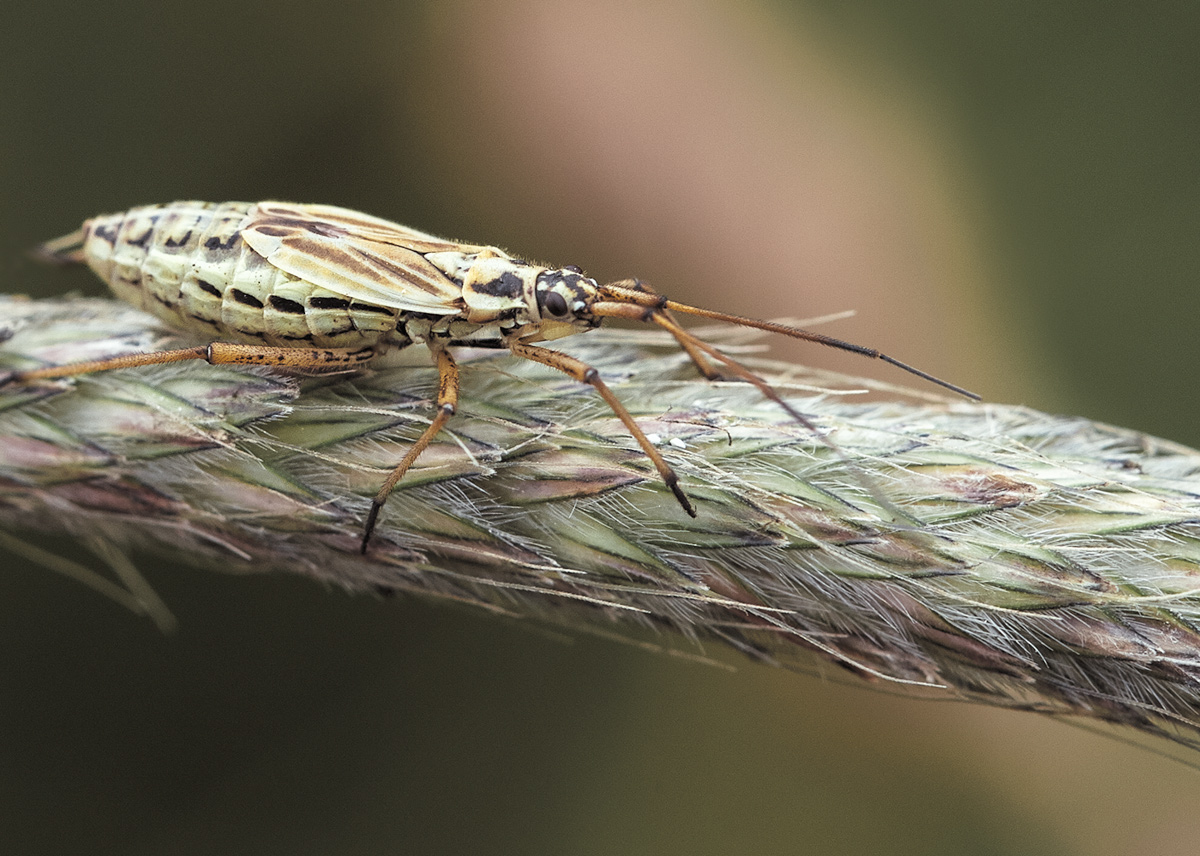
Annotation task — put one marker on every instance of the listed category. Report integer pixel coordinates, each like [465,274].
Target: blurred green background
[1009,195]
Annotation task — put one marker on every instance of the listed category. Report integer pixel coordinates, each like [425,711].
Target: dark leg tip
[372,516]
[683,500]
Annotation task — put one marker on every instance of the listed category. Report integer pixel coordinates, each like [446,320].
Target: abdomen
[186,263]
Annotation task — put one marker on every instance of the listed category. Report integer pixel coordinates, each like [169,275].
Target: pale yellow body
[296,276]
[213,290]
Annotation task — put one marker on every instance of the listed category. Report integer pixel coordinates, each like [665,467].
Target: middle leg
[447,403]
[584,373]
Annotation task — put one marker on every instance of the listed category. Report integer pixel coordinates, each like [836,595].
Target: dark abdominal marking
[215,243]
[245,299]
[106,233]
[328,303]
[282,304]
[208,288]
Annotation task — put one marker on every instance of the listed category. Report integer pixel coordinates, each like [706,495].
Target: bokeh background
[1007,193]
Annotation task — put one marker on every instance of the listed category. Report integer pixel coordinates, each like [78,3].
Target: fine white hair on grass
[969,551]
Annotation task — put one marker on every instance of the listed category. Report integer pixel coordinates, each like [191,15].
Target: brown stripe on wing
[362,225]
[397,263]
[348,264]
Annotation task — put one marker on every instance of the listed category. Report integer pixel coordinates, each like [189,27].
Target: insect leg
[218,353]
[740,370]
[703,365]
[447,402]
[633,312]
[767,390]
[584,373]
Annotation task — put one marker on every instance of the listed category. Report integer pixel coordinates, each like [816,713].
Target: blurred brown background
[1009,196]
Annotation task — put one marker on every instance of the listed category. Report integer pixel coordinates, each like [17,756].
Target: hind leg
[317,360]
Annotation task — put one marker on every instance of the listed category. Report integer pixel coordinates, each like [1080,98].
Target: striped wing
[355,255]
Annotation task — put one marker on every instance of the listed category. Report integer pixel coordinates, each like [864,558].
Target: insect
[316,288]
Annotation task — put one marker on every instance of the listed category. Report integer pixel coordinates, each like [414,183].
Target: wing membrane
[355,255]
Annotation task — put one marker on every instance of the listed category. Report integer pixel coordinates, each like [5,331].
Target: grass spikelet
[976,551]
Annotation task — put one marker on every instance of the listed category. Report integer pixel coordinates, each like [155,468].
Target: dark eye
[555,303]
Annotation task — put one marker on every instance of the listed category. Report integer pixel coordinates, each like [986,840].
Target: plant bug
[315,288]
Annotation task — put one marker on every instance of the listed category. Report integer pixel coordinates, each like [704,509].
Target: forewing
[377,228]
[355,255]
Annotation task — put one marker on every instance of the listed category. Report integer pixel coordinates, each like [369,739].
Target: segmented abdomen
[186,263]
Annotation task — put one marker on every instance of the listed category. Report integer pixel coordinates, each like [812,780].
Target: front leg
[703,365]
[584,373]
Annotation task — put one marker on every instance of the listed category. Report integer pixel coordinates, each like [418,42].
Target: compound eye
[555,304]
